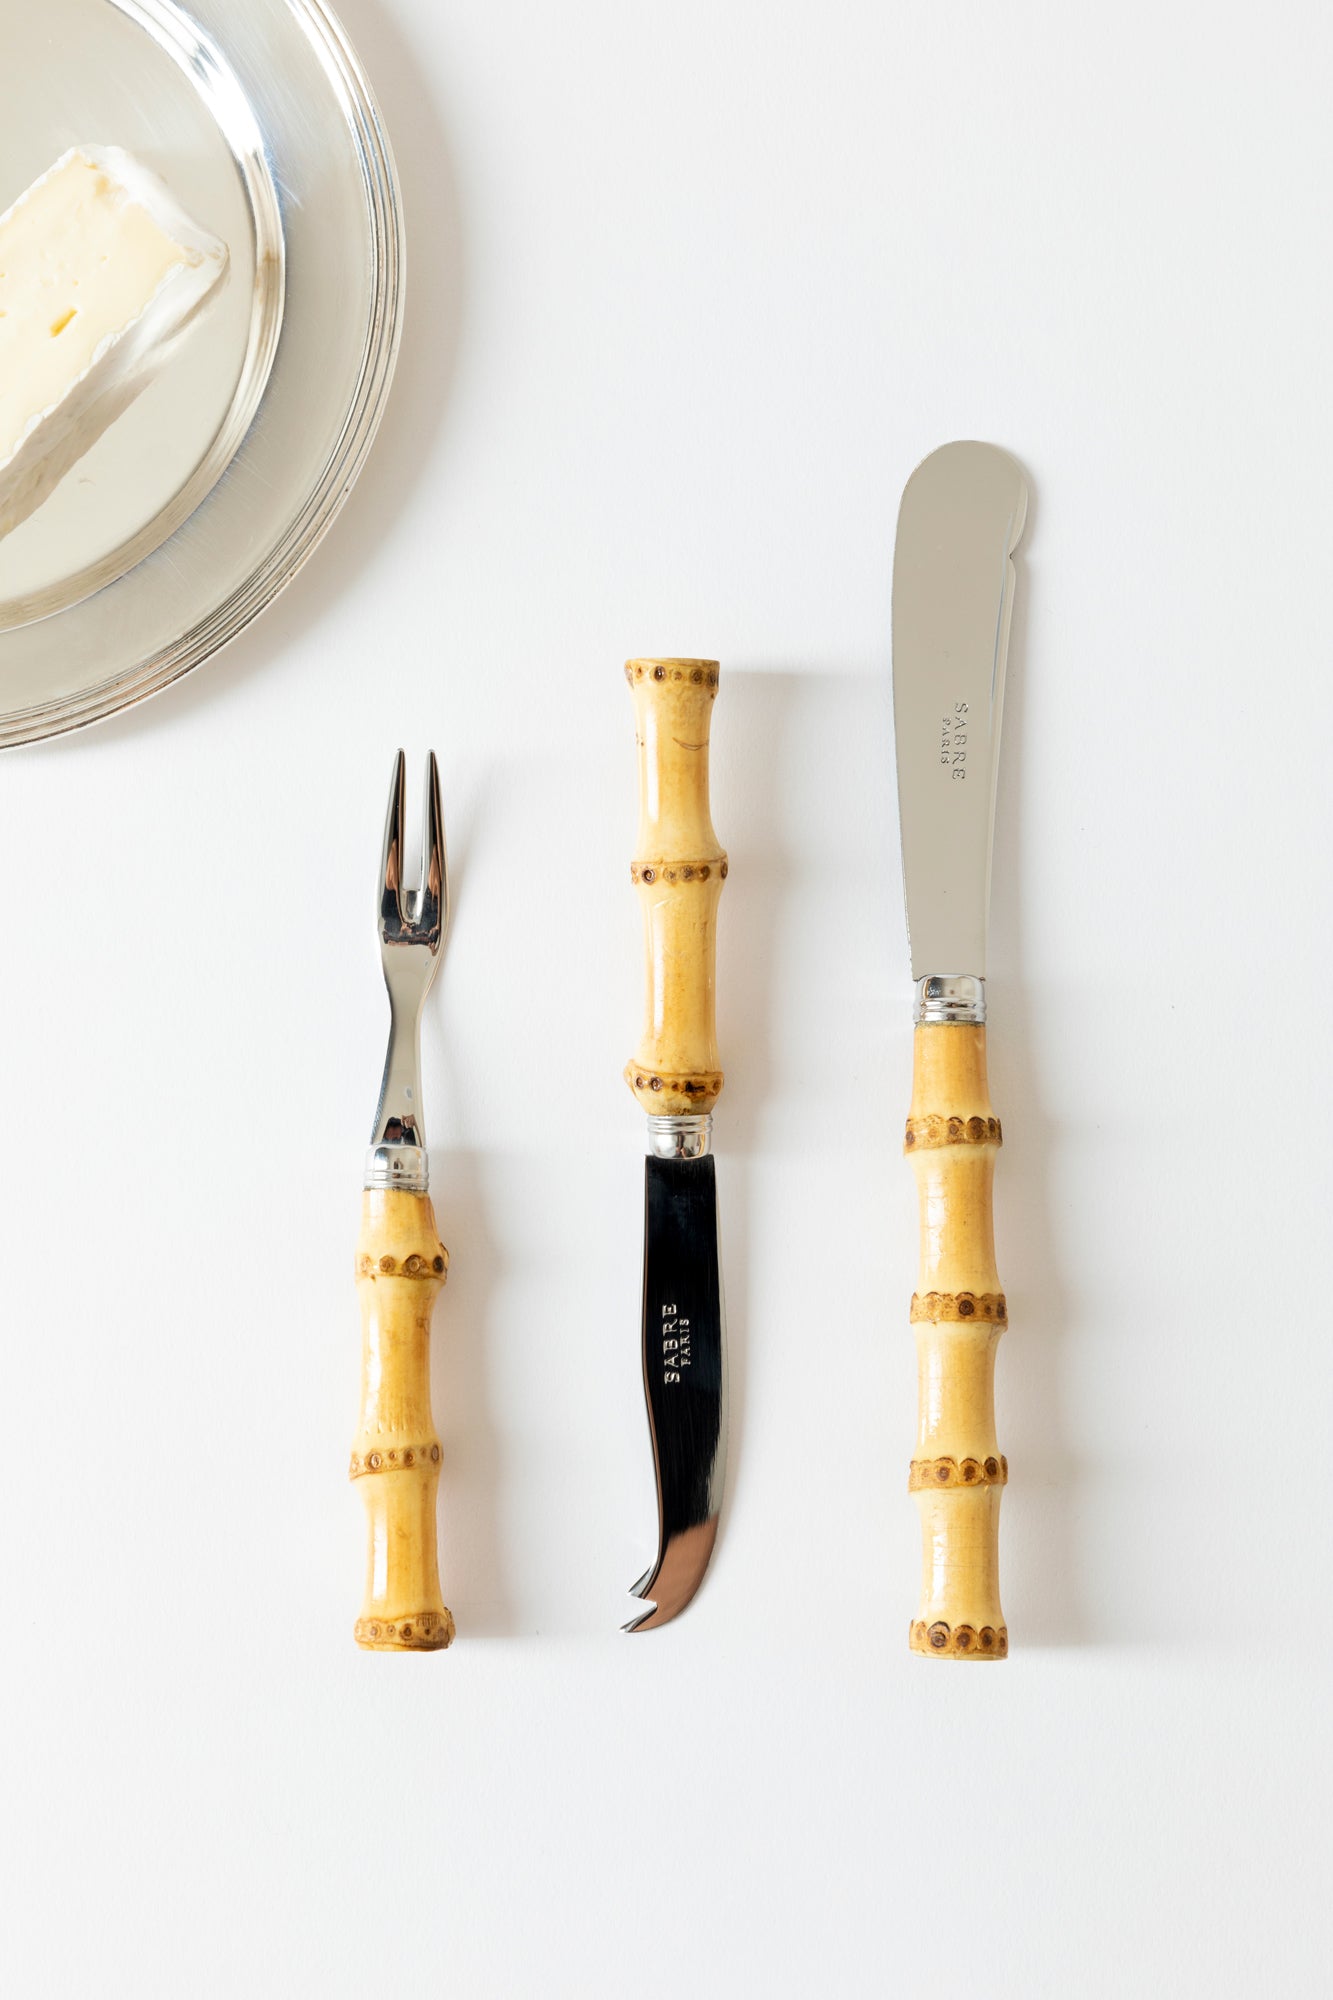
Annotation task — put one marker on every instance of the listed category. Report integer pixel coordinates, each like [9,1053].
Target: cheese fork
[401,1264]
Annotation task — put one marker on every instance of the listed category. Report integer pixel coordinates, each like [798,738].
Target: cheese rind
[100,271]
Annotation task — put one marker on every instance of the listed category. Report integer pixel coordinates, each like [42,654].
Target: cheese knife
[678,870]
[961,517]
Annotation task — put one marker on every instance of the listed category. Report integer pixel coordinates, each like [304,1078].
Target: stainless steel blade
[684,1377]
[961,517]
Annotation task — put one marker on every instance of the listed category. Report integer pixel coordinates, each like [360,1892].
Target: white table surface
[691,291]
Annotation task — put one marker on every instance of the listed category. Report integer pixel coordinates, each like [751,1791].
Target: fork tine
[434,856]
[391,861]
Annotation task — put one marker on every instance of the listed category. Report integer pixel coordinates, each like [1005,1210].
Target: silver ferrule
[950,996]
[405,1167]
[687,1138]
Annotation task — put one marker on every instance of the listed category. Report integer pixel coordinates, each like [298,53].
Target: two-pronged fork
[401,1265]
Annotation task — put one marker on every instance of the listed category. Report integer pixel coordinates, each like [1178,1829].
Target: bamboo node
[400,1459]
[926,1474]
[702,1088]
[422,1631]
[937,1129]
[959,1641]
[673,872]
[419,1264]
[986,1308]
[692,673]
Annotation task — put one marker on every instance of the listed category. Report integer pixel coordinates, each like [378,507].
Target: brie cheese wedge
[100,271]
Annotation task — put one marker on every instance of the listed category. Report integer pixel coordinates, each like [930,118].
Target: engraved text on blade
[675,1343]
[953,741]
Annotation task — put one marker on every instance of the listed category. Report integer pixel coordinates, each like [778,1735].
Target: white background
[692,289]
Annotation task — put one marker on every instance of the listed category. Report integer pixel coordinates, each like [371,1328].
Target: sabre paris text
[675,1344]
[953,741]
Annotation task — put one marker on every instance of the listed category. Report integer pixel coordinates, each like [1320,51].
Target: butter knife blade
[961,517]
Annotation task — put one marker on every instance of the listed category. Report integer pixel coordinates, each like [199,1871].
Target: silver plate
[203,500]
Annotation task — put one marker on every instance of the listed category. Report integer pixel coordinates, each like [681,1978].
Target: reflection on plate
[201,501]
[176,107]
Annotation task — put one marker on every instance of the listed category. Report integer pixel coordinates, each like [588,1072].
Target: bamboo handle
[400,1266]
[958,1315]
[678,868]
